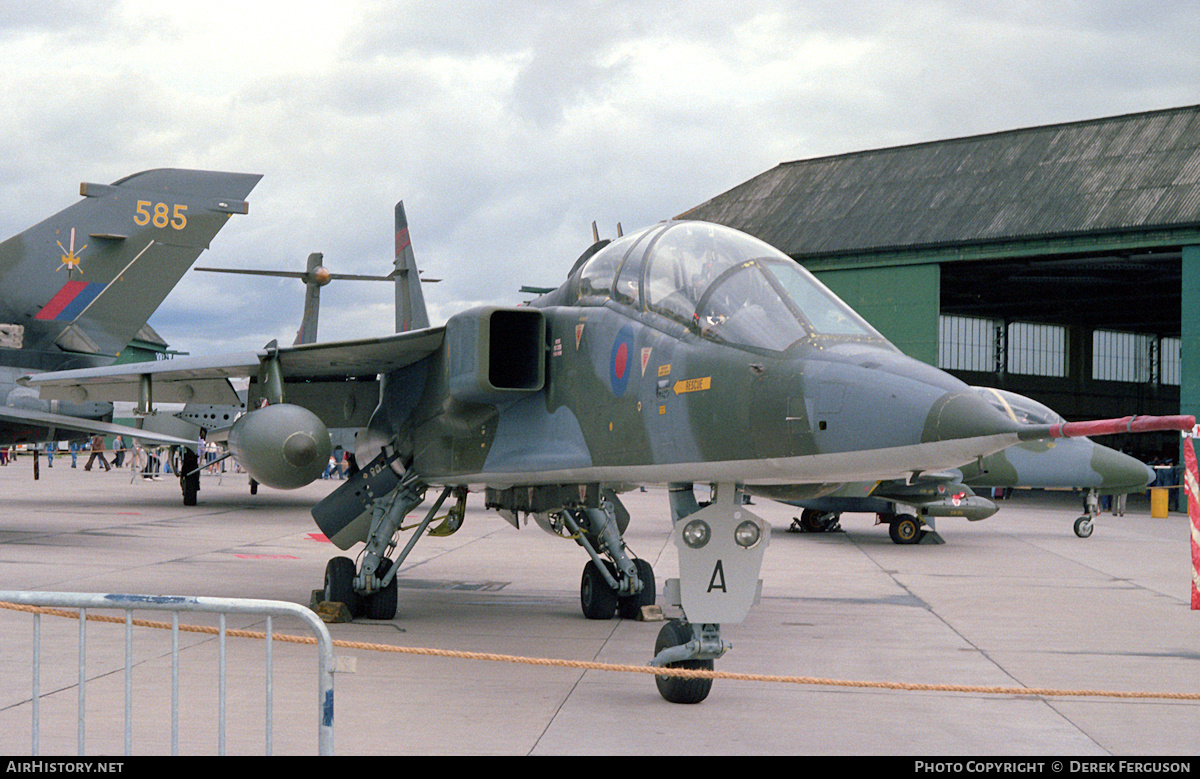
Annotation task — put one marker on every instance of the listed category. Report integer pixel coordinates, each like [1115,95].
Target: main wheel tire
[905,530]
[189,481]
[339,584]
[382,603]
[630,607]
[814,521]
[598,599]
[1084,527]
[678,689]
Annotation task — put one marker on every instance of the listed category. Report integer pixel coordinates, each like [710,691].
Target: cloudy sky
[508,127]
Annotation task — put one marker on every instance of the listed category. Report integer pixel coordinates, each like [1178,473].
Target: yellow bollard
[1158,502]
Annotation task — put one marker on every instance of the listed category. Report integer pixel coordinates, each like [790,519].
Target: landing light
[696,533]
[747,534]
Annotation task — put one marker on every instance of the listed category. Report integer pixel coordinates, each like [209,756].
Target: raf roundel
[619,363]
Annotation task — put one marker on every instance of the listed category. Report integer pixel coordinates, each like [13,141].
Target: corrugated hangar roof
[1132,172]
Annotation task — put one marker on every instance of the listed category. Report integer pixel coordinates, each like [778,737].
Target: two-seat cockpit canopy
[721,283]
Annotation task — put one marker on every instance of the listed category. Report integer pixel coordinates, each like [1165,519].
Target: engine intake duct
[495,354]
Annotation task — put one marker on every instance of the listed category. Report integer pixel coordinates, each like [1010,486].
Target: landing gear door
[344,516]
[721,551]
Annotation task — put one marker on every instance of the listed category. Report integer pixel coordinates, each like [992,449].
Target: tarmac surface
[1014,601]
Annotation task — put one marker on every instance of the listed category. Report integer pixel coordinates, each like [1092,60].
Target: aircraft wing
[181,380]
[335,380]
[62,421]
[362,357]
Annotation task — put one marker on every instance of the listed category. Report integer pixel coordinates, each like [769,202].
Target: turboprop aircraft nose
[1119,472]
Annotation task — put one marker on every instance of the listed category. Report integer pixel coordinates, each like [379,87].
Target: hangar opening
[1052,261]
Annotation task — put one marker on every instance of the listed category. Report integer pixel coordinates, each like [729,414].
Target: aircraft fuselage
[632,397]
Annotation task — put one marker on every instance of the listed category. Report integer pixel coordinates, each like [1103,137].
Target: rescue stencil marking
[693,385]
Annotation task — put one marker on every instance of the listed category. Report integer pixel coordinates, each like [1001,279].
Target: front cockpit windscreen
[723,284]
[1019,408]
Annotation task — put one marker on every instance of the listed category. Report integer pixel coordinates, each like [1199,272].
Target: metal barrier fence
[177,605]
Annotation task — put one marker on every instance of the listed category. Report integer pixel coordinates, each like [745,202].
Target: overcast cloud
[507,128]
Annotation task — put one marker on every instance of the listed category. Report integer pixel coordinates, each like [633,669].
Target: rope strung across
[619,668]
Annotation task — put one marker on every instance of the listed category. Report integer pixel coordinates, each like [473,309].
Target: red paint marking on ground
[319,537]
[266,557]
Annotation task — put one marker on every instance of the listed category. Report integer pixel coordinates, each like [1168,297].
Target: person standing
[118,451]
[97,451]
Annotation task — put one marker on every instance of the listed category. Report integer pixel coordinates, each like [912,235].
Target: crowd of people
[153,461]
[150,460]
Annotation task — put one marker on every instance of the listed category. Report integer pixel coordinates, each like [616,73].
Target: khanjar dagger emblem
[70,259]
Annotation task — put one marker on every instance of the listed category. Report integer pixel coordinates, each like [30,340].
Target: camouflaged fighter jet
[81,284]
[685,352]
[1074,463]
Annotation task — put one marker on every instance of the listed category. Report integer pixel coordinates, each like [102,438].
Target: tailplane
[315,275]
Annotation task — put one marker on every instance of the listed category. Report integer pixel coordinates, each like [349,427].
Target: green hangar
[1061,262]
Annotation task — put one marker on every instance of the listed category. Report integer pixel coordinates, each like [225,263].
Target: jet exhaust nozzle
[282,446]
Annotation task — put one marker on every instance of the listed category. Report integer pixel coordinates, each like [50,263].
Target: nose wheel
[679,689]
[1091,506]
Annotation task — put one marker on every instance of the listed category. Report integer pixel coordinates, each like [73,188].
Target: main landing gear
[613,583]
[369,508]
[903,528]
[813,521]
[907,529]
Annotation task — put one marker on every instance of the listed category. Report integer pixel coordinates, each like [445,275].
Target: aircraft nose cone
[964,414]
[1120,472]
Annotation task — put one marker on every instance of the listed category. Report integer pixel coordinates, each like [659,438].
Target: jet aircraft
[81,284]
[1076,463]
[684,352]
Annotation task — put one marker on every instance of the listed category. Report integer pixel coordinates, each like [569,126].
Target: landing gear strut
[370,507]
[612,585]
[721,549]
